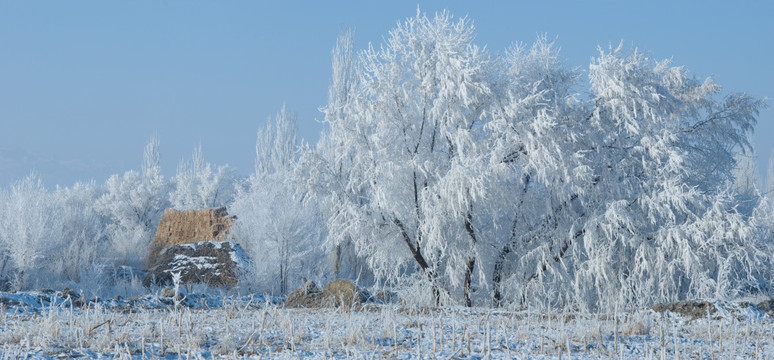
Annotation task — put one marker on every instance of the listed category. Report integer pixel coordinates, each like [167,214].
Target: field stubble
[247,329]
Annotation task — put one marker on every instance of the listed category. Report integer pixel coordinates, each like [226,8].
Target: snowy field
[44,325]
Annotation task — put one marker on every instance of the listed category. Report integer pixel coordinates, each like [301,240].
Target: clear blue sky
[84,84]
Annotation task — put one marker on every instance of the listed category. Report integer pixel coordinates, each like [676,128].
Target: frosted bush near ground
[259,330]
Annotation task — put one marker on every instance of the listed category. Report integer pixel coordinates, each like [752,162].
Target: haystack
[343,293]
[217,264]
[339,293]
[189,226]
[308,295]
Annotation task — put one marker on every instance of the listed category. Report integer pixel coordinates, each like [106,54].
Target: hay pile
[306,296]
[218,264]
[194,243]
[188,226]
[337,294]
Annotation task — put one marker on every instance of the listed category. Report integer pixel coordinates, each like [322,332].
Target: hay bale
[338,293]
[189,226]
[307,296]
[218,264]
[343,293]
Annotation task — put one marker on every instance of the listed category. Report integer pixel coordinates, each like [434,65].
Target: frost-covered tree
[27,235]
[634,187]
[276,148]
[81,232]
[662,151]
[280,232]
[134,203]
[536,162]
[463,171]
[406,133]
[340,161]
[197,186]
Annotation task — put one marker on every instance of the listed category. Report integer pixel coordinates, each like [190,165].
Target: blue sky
[84,84]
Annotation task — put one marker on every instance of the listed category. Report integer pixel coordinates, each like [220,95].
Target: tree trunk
[471,260]
[497,275]
[468,276]
[2,271]
[548,223]
[5,261]
[416,252]
[20,281]
[337,262]
[282,279]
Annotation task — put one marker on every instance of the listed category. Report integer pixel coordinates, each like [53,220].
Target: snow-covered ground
[44,325]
